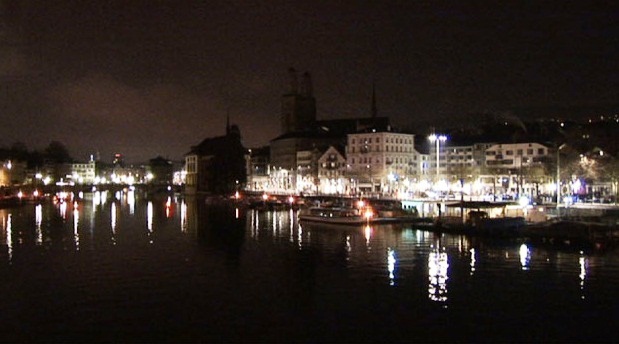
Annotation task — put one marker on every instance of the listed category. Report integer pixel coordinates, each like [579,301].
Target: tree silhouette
[56,152]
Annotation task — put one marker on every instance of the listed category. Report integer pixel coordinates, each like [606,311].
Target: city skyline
[153,79]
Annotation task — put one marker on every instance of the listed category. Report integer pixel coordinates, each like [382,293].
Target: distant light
[524,201]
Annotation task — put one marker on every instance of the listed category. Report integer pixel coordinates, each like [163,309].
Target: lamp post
[437,138]
[559,176]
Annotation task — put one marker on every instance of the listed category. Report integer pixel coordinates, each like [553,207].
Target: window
[353,141]
[509,152]
[540,151]
[530,151]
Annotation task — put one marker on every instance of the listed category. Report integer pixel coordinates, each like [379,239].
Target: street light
[559,177]
[437,138]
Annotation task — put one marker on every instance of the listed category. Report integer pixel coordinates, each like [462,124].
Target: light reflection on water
[269,260]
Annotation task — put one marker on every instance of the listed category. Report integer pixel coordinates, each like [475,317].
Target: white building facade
[332,172]
[83,173]
[382,161]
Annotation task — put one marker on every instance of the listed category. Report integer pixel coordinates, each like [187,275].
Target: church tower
[298,104]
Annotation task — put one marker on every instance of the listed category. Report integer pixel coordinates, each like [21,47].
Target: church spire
[374,110]
[228,122]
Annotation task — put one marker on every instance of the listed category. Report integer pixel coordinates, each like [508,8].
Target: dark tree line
[56,153]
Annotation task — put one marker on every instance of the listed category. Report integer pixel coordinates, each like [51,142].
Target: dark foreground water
[126,268]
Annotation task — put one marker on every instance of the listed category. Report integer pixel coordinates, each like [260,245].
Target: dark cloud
[149,78]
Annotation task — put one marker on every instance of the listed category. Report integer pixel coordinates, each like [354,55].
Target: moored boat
[355,216]
[333,215]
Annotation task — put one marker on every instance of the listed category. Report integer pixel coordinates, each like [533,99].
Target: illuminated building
[83,173]
[379,159]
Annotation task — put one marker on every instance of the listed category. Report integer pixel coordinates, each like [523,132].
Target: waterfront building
[512,156]
[520,167]
[332,177]
[459,161]
[82,172]
[217,164]
[160,171]
[379,160]
[258,169]
[12,172]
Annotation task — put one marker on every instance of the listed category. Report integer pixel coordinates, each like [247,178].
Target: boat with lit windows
[333,215]
[355,215]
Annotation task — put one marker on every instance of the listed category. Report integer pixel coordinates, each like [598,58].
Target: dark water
[127,268]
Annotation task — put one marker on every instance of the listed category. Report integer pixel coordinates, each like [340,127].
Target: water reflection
[76,235]
[368,235]
[131,201]
[113,218]
[38,219]
[273,243]
[583,263]
[169,208]
[391,261]
[184,222]
[438,266]
[149,217]
[8,228]
[63,210]
[525,256]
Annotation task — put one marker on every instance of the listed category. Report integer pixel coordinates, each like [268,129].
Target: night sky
[148,78]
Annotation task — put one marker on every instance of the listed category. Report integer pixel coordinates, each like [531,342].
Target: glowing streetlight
[437,138]
[559,176]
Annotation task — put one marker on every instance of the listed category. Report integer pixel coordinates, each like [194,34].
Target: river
[126,267]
